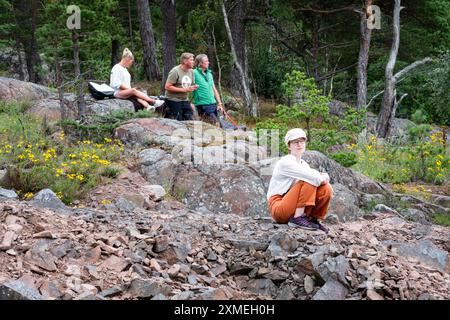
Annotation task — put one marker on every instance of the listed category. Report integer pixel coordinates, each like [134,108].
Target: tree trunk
[315,51]
[115,52]
[58,75]
[35,58]
[363,59]
[130,27]
[148,41]
[78,78]
[25,14]
[386,114]
[252,107]
[169,39]
[236,21]
[18,47]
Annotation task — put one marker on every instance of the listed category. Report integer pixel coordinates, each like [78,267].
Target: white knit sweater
[288,171]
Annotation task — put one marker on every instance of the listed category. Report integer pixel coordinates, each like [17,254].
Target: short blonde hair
[186,56]
[127,53]
[199,59]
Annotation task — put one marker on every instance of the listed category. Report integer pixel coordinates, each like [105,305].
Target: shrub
[347,159]
[422,159]
[36,161]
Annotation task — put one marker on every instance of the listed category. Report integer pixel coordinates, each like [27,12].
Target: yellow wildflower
[28,195]
[59,172]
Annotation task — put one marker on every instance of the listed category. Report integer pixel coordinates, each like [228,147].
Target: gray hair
[199,59]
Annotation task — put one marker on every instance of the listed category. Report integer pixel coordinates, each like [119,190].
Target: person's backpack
[100,91]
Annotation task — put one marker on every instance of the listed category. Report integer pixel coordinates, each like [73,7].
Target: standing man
[180,82]
[206,97]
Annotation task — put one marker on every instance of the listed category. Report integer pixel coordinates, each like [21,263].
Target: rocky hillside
[168,251]
[187,219]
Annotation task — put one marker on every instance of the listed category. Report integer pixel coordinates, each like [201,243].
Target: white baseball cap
[294,134]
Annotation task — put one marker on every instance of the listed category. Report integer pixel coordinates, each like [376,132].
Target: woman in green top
[206,97]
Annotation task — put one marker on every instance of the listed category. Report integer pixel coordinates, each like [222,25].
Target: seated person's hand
[325,177]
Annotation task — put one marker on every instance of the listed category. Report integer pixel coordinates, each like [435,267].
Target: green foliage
[347,159]
[110,172]
[424,158]
[308,103]
[36,160]
[309,107]
[270,133]
[432,95]
[442,219]
[100,127]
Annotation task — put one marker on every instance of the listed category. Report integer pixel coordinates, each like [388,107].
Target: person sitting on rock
[120,81]
[298,195]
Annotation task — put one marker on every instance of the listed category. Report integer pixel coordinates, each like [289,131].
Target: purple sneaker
[321,226]
[302,222]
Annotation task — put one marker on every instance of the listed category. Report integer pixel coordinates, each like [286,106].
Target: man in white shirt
[120,81]
[298,195]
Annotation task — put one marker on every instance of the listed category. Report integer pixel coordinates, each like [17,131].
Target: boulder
[152,131]
[125,205]
[384,209]
[230,188]
[4,177]
[339,174]
[441,200]
[417,216]
[308,284]
[50,108]
[14,61]
[18,290]
[344,204]
[46,198]
[261,287]
[16,90]
[157,167]
[107,106]
[7,194]
[334,268]
[147,288]
[332,290]
[155,192]
[425,252]
[281,244]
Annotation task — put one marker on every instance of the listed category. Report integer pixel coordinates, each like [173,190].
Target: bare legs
[299,212]
[132,92]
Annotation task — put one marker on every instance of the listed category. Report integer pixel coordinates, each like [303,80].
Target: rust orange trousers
[302,194]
